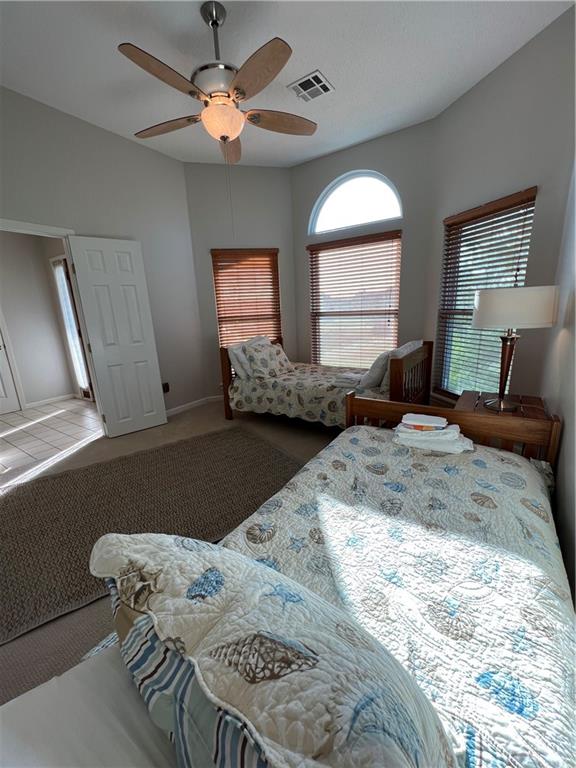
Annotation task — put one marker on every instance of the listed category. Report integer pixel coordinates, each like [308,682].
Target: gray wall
[60,171]
[261,217]
[513,130]
[29,304]
[406,159]
[558,387]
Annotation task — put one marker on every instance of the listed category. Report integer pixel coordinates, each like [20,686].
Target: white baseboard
[35,404]
[193,404]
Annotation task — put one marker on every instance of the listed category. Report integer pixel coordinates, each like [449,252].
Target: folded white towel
[458,445]
[422,420]
[449,433]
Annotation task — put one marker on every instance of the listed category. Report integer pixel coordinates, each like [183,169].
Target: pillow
[280,359]
[306,683]
[405,349]
[267,360]
[238,358]
[158,670]
[239,361]
[373,377]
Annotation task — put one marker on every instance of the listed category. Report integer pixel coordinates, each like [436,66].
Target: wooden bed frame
[533,438]
[410,375]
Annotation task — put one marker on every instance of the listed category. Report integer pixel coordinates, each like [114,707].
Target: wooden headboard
[533,438]
[411,374]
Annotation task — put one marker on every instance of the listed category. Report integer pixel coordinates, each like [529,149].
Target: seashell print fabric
[300,677]
[303,391]
[454,565]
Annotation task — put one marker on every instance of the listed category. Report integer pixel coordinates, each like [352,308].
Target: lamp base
[500,405]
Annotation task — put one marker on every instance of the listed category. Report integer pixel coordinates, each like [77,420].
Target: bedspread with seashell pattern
[453,563]
[309,392]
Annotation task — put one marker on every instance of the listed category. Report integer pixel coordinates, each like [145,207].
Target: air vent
[311,86]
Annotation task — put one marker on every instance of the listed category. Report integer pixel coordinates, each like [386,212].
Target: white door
[8,396]
[114,302]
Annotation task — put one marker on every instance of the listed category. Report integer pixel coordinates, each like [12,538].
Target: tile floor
[36,437]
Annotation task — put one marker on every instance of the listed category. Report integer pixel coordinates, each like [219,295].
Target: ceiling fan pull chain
[230,200]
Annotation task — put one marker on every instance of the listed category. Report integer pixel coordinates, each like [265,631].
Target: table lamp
[513,308]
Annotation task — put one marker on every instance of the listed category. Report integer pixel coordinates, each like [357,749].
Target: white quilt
[453,563]
[309,392]
[312,687]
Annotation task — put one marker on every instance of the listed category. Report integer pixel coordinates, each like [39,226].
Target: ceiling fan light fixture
[214,78]
[220,86]
[222,120]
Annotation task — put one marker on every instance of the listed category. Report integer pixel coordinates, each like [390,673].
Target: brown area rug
[202,487]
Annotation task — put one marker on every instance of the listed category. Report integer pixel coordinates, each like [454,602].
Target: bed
[90,716]
[316,392]
[452,562]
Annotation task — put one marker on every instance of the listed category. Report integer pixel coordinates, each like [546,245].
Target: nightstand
[529,407]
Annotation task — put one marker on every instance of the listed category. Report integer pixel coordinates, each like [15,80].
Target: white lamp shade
[534,307]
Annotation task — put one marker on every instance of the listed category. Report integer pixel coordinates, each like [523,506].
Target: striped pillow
[202,733]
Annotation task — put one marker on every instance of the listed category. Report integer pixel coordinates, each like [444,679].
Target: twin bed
[318,392]
[450,561]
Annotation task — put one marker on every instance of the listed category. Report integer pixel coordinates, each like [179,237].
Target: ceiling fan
[222,88]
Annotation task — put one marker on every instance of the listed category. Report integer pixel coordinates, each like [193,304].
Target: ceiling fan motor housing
[214,78]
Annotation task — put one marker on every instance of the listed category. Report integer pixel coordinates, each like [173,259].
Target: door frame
[63,257]
[9,349]
[30,228]
[61,233]
[83,330]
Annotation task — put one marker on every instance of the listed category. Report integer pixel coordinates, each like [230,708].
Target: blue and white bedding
[453,563]
[309,392]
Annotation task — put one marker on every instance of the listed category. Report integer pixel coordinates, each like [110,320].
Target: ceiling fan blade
[282,122]
[162,71]
[232,151]
[168,126]
[260,69]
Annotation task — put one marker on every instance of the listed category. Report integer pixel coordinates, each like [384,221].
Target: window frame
[239,254]
[451,224]
[337,182]
[316,248]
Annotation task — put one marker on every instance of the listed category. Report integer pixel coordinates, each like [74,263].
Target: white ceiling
[393,64]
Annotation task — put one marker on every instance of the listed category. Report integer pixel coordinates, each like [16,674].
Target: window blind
[247,294]
[355,292]
[486,247]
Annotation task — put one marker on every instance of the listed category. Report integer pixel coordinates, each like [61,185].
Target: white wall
[558,387]
[513,130]
[60,171]
[29,305]
[404,158]
[260,217]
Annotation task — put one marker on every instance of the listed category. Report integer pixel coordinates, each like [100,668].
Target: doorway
[106,279]
[47,408]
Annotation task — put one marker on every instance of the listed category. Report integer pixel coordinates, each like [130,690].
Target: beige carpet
[53,648]
[202,487]
[50,650]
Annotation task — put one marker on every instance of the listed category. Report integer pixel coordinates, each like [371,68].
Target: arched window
[359,197]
